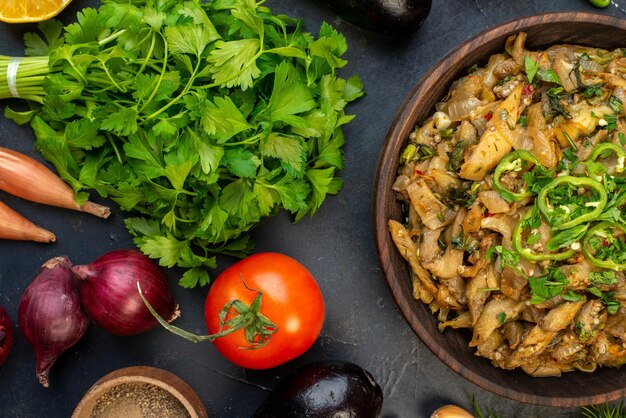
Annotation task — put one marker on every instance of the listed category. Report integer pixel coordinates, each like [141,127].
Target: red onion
[109,292]
[6,335]
[50,314]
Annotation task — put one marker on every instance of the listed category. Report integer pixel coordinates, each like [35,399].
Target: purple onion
[50,314]
[108,289]
[6,335]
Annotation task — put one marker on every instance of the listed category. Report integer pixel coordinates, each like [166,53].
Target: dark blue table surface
[362,323]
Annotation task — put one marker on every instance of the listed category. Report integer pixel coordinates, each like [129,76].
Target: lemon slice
[22,11]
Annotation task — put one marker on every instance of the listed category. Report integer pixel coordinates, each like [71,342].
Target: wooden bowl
[142,374]
[451,347]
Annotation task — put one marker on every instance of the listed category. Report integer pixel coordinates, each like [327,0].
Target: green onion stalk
[23,77]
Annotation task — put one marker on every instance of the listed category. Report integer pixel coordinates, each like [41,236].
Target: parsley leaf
[234,62]
[531,67]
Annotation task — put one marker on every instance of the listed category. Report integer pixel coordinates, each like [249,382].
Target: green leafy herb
[604,410]
[533,220]
[200,118]
[616,104]
[567,237]
[583,331]
[611,304]
[533,238]
[548,75]
[424,152]
[531,67]
[508,258]
[455,157]
[594,90]
[606,277]
[548,286]
[611,121]
[556,96]
[465,195]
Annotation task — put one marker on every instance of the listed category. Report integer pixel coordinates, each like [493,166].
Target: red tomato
[291,299]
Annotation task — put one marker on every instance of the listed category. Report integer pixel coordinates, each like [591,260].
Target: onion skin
[6,335]
[50,314]
[108,289]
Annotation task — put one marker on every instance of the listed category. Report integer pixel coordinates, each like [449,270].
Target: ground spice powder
[138,400]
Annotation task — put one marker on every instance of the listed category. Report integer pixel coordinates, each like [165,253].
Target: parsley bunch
[199,118]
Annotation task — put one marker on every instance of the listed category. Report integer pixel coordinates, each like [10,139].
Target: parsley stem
[31,73]
[111,78]
[161,75]
[149,54]
[185,90]
[112,37]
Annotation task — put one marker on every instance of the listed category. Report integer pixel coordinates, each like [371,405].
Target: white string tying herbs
[12,68]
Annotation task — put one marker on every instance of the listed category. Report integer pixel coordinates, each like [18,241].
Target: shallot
[50,314]
[29,179]
[108,289]
[6,335]
[16,227]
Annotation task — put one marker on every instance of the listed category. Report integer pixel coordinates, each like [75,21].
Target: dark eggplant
[395,18]
[324,389]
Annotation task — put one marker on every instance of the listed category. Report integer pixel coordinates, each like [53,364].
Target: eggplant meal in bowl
[514,192]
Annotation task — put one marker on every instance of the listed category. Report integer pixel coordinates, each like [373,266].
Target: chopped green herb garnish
[455,157]
[548,286]
[606,277]
[425,152]
[531,67]
[555,97]
[616,104]
[611,121]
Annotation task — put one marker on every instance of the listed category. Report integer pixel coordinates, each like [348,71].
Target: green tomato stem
[257,326]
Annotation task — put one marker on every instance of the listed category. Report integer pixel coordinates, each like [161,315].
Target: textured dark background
[362,324]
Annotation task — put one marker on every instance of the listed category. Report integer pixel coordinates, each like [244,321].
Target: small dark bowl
[451,347]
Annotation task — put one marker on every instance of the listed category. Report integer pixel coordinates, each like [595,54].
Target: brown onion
[6,335]
[108,289]
[451,411]
[50,314]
